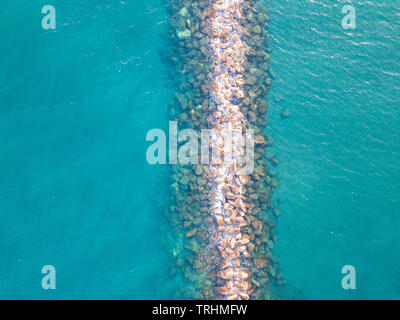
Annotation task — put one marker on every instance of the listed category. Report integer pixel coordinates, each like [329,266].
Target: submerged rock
[257,29]
[286,113]
[199,170]
[260,139]
[184,35]
[251,80]
[261,262]
[275,182]
[191,233]
[183,12]
[182,100]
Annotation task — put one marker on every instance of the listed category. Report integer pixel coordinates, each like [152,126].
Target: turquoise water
[76,191]
[339,151]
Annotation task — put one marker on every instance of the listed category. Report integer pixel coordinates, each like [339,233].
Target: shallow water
[76,191]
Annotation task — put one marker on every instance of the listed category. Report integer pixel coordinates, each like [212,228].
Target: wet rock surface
[224,220]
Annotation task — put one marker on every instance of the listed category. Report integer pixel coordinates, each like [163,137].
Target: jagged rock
[184,35]
[183,12]
[191,233]
[260,139]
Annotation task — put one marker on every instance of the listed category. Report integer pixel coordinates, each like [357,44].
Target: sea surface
[339,151]
[77,193]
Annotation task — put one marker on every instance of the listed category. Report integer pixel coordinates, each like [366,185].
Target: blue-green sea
[76,191]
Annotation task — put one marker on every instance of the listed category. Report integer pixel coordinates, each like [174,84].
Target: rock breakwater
[224,216]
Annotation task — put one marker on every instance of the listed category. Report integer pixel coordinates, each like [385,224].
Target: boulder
[184,35]
[251,80]
[183,12]
[191,233]
[183,102]
[275,182]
